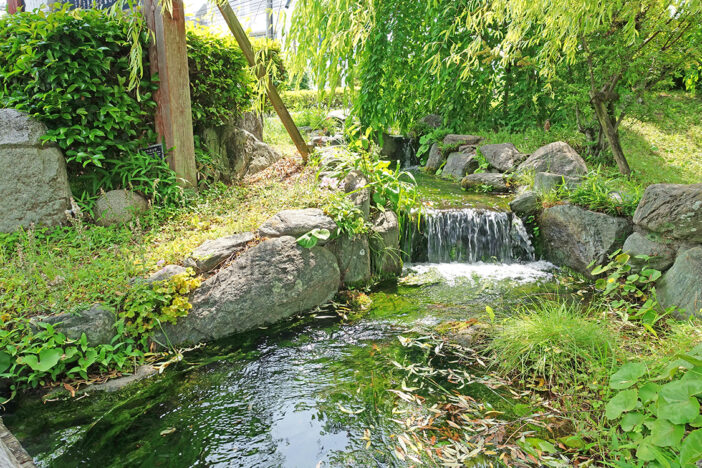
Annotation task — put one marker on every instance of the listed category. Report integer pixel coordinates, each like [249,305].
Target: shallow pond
[320,390]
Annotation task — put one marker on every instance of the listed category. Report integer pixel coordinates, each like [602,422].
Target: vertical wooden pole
[168,58]
[271,90]
[15,6]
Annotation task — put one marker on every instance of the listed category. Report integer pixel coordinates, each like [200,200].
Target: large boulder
[386,258]
[485,181]
[547,181]
[252,122]
[672,210]
[353,257]
[267,283]
[430,122]
[97,323]
[681,286]
[526,204]
[355,185]
[458,140]
[118,206]
[459,164]
[213,252]
[556,158]
[237,153]
[503,156]
[296,223]
[661,255]
[33,179]
[575,237]
[435,160]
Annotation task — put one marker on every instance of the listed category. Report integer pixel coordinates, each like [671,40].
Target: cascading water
[469,236]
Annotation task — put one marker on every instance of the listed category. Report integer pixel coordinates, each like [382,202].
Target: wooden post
[15,6]
[169,59]
[271,90]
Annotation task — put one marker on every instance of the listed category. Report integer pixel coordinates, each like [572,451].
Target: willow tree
[403,57]
[613,50]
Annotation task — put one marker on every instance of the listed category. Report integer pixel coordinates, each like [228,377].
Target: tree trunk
[611,133]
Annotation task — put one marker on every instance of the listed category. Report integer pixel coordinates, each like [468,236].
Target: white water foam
[520,273]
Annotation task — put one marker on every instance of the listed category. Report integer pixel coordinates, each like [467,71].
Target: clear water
[313,391]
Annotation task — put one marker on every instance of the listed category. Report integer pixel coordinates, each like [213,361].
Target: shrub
[554,342]
[304,98]
[69,70]
[221,84]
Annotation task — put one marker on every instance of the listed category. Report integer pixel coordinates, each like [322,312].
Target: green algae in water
[445,194]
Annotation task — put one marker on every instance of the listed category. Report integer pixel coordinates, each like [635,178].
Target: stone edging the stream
[12,454]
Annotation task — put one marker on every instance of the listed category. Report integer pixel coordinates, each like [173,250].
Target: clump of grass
[552,341]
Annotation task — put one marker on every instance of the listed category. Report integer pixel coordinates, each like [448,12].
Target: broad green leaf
[5,361]
[631,420]
[48,358]
[541,444]
[627,375]
[649,392]
[665,434]
[691,450]
[676,405]
[693,380]
[621,402]
[646,451]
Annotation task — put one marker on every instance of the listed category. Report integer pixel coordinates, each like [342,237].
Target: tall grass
[555,342]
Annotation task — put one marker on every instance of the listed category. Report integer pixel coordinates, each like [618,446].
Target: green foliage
[322,99]
[427,140]
[607,193]
[632,296]
[221,83]
[553,341]
[270,51]
[38,356]
[147,306]
[347,216]
[313,237]
[70,70]
[656,419]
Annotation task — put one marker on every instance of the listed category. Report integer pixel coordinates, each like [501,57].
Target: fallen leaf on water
[168,431]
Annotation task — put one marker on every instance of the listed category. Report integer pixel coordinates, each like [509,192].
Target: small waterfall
[468,236]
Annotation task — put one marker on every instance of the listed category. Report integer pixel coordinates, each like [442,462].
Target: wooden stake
[169,58]
[271,90]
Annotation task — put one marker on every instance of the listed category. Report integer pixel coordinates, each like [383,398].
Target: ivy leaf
[665,434]
[627,375]
[622,402]
[675,403]
[691,450]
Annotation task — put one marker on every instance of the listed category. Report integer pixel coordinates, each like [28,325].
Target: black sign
[155,151]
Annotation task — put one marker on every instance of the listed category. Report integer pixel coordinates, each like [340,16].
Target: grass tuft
[552,341]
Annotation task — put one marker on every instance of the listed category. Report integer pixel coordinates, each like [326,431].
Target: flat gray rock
[662,255]
[574,237]
[267,283]
[213,252]
[296,223]
[459,164]
[672,210]
[681,286]
[502,156]
[556,158]
[495,182]
[458,140]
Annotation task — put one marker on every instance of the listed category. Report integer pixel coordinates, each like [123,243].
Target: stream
[317,390]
